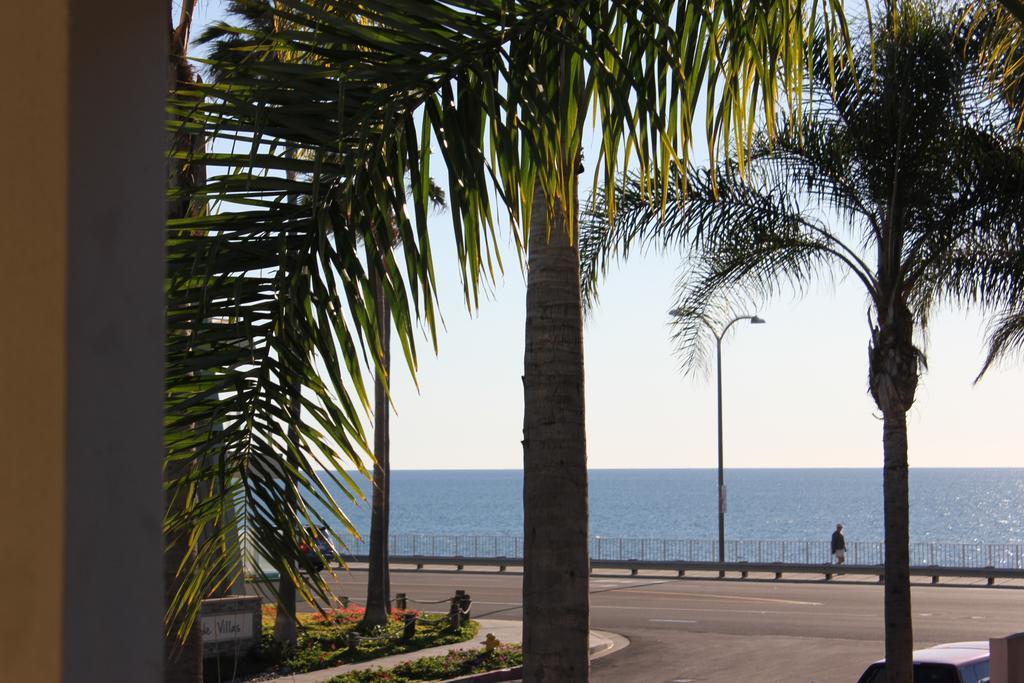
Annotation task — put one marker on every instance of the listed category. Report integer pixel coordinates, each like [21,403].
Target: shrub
[452,665]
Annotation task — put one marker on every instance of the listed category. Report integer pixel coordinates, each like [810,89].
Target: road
[732,630]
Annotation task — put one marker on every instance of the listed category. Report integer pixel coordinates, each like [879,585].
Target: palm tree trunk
[378,589]
[556,609]
[286,625]
[899,635]
[894,374]
[183,658]
[286,620]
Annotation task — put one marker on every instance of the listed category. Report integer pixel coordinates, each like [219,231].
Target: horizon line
[713,469]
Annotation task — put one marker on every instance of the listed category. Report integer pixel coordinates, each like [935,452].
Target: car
[311,558]
[324,550]
[947,663]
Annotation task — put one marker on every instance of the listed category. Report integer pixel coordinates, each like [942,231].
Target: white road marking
[675,621]
[611,582]
[680,609]
[688,609]
[741,598]
[720,610]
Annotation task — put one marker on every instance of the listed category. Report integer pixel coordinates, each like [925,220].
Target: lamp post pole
[721,460]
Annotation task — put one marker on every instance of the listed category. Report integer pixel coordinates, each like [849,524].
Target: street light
[754,320]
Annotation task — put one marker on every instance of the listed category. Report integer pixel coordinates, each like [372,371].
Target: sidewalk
[601,643]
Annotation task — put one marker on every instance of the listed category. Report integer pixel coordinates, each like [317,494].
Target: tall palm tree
[378,580]
[555,502]
[501,89]
[286,618]
[230,48]
[887,175]
[378,574]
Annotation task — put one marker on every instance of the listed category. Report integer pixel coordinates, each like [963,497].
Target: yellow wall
[33,177]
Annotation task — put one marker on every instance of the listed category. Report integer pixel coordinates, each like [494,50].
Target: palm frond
[239,343]
[1006,338]
[976,229]
[696,322]
[719,216]
[755,243]
[816,158]
[639,222]
[994,36]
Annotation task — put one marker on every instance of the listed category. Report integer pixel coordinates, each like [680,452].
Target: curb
[608,643]
[513,674]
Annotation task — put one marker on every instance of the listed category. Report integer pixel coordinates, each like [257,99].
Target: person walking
[839,544]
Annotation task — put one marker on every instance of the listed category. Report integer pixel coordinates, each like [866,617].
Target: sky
[794,389]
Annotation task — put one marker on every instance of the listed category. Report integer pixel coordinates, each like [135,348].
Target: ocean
[946,505]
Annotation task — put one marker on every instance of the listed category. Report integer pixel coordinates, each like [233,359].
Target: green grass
[456,663]
[323,643]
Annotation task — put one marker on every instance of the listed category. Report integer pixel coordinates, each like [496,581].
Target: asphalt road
[732,630]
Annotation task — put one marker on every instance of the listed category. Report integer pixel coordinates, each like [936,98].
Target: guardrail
[764,552]
[744,569]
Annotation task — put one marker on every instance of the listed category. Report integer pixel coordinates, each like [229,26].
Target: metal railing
[952,555]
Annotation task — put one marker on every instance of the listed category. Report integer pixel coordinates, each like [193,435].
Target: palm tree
[888,174]
[555,505]
[286,618]
[229,48]
[502,89]
[378,583]
[378,586]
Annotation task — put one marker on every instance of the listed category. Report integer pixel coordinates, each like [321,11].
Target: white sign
[220,627]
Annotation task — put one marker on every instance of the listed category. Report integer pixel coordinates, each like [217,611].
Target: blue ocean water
[947,505]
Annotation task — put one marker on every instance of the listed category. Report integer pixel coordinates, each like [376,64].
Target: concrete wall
[81,341]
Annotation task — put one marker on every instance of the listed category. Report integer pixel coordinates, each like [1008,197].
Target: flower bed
[323,642]
[456,663]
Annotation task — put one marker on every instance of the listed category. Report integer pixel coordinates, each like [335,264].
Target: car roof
[954,653]
[957,654]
